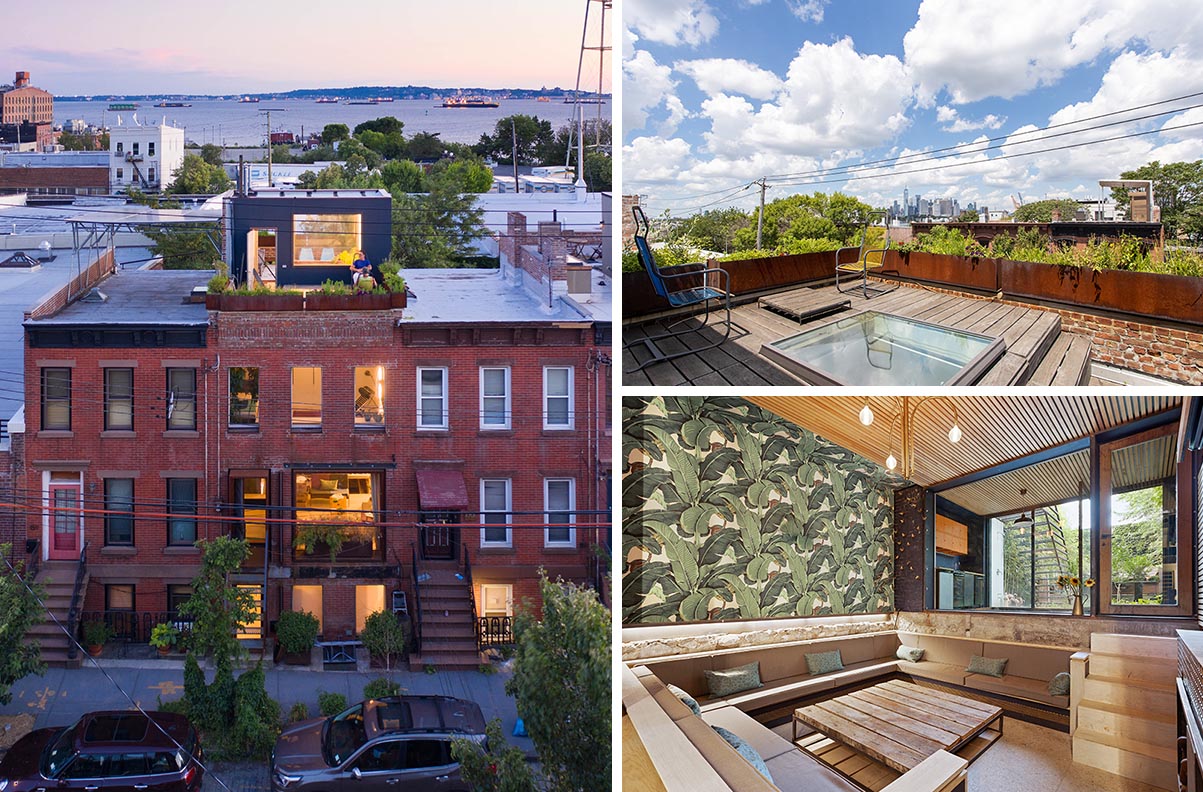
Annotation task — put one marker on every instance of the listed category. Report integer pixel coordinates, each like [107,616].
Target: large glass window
[368,600]
[308,599]
[118,398]
[306,397]
[557,397]
[181,510]
[336,516]
[558,502]
[432,398]
[181,398]
[119,508]
[369,396]
[318,239]
[495,512]
[1031,550]
[56,398]
[244,396]
[494,398]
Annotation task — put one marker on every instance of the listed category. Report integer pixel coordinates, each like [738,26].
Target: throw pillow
[746,751]
[990,666]
[733,680]
[1059,685]
[824,662]
[911,653]
[686,699]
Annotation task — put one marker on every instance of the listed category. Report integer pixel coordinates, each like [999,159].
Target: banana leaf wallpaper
[731,512]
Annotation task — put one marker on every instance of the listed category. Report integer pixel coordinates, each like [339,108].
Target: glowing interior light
[891,462]
[866,415]
[954,434]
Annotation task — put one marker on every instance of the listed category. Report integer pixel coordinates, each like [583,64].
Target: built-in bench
[686,753]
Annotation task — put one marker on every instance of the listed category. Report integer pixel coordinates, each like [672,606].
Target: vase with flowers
[1075,585]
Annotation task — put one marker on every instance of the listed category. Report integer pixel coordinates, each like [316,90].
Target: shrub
[380,688]
[495,766]
[298,713]
[383,636]
[236,718]
[221,281]
[256,717]
[296,631]
[164,636]
[334,287]
[330,703]
[97,633]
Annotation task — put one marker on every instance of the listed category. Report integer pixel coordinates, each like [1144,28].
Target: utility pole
[760,216]
[514,134]
[268,113]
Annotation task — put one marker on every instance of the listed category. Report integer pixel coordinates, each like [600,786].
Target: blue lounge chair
[694,294]
[866,259]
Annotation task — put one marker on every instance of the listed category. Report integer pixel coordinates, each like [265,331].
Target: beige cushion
[800,771]
[1015,686]
[766,742]
[685,673]
[1033,662]
[952,651]
[732,767]
[941,672]
[668,701]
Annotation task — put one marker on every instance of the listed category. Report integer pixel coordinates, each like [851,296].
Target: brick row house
[427,459]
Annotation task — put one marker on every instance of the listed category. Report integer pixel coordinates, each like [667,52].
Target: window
[368,600]
[119,398]
[244,397]
[306,398]
[495,512]
[181,398]
[119,505]
[494,398]
[557,397]
[136,144]
[369,396]
[249,630]
[120,171]
[309,599]
[336,516]
[119,597]
[120,146]
[426,753]
[496,599]
[318,239]
[150,149]
[181,510]
[432,398]
[150,174]
[558,502]
[177,595]
[56,398]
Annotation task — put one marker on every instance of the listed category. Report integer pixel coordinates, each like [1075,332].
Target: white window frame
[506,588]
[508,396]
[570,424]
[547,510]
[508,513]
[445,399]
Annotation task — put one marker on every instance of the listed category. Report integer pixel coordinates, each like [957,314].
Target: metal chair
[703,295]
[866,259]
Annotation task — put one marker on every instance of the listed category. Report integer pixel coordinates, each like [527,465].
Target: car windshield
[344,735]
[60,752]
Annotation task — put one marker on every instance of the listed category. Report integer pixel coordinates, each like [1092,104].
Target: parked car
[399,740]
[123,750]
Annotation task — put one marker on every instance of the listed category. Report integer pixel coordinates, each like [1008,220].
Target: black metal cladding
[115,337]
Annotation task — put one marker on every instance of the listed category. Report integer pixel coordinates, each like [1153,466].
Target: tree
[495,767]
[425,146]
[715,229]
[87,141]
[19,656]
[532,136]
[388,125]
[197,177]
[561,684]
[335,132]
[1177,190]
[1042,211]
[599,171]
[436,229]
[211,153]
[968,216]
[402,176]
[1136,536]
[465,176]
[192,247]
[218,606]
[837,217]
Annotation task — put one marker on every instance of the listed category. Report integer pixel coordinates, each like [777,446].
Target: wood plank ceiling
[995,429]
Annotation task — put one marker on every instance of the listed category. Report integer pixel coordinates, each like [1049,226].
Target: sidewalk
[61,696]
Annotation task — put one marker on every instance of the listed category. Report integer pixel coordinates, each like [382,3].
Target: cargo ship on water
[249,100]
[173,104]
[459,100]
[123,106]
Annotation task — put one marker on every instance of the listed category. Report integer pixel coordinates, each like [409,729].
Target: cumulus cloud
[728,75]
[808,10]
[646,84]
[953,122]
[655,160]
[671,22]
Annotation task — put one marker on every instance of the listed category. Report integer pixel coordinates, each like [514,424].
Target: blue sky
[717,93]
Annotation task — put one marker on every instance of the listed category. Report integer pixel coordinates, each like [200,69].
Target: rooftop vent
[94,296]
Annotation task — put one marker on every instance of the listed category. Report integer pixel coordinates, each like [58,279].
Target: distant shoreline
[421,93]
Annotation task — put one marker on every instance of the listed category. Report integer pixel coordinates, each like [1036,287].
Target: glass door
[440,536]
[249,494]
[64,520]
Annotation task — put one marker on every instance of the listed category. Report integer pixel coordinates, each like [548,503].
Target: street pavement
[60,696]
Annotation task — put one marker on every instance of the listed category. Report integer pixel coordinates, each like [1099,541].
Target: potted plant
[163,637]
[296,632]
[96,634]
[338,296]
[329,534]
[383,635]
[258,298]
[394,284]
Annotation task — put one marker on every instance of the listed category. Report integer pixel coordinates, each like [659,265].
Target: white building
[144,155]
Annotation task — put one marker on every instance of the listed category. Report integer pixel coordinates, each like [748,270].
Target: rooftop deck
[1037,352]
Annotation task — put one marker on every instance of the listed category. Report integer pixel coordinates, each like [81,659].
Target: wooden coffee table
[900,724]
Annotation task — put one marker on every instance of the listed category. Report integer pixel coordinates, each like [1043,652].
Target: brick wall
[547,246]
[628,222]
[54,302]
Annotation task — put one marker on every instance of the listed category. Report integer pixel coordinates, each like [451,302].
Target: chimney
[22,79]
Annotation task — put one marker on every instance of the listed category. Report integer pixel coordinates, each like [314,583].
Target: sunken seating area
[1028,671]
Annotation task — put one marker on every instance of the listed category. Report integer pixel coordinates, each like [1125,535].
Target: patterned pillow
[686,699]
[912,653]
[824,662]
[746,751]
[990,666]
[733,680]
[1059,685]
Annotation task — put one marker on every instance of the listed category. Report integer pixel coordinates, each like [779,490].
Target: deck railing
[136,626]
[76,599]
[416,619]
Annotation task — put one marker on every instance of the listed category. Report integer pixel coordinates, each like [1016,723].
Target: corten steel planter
[254,302]
[371,301]
[973,272]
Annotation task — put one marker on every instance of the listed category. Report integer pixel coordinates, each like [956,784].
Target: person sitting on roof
[360,267]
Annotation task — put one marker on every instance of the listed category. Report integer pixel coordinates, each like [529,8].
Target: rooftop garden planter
[367,301]
[269,301]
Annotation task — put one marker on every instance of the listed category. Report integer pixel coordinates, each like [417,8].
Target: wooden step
[1134,645]
[1128,758]
[1130,693]
[1150,726]
[463,632]
[1150,669]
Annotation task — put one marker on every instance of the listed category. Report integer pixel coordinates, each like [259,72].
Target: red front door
[64,521]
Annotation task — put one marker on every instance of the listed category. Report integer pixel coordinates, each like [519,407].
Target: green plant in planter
[367,285]
[383,636]
[296,631]
[334,287]
[391,270]
[97,633]
[330,534]
[164,636]
[220,282]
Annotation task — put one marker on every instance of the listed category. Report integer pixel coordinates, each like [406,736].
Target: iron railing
[417,610]
[471,595]
[136,626]
[76,598]
[494,631]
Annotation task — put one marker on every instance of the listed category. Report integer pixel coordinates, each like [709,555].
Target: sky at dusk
[717,93]
[224,47]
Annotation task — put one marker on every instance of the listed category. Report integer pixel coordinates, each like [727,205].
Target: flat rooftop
[275,192]
[140,297]
[487,295]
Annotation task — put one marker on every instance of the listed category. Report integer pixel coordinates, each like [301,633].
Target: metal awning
[440,488]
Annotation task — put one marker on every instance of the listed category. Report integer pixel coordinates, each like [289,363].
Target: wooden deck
[1037,352]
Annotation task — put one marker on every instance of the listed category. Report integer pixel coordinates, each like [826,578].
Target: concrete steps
[57,580]
[1127,758]
[448,632]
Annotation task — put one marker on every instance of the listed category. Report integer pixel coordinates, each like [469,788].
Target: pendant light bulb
[954,434]
[891,462]
[866,415]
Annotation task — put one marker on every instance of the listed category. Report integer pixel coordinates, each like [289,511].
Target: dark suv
[399,742]
[108,750]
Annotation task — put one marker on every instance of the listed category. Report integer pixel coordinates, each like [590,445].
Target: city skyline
[719,93]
